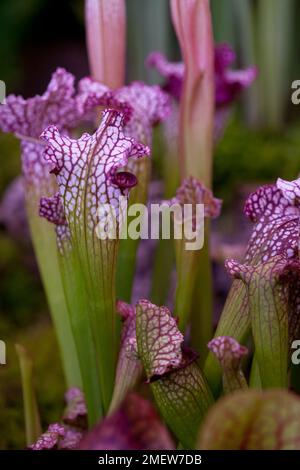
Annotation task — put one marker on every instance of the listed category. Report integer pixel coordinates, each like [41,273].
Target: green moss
[245,156]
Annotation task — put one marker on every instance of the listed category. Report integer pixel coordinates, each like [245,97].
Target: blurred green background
[261,142]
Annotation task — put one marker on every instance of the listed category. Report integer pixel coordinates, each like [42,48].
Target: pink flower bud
[106,40]
[192,21]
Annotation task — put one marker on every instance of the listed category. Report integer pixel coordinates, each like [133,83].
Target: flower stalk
[31,412]
[105,22]
[192,22]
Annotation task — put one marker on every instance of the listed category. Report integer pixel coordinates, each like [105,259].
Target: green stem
[141,40]
[126,268]
[255,380]
[223,21]
[31,412]
[83,337]
[274,25]
[187,268]
[94,264]
[171,176]
[269,321]
[128,247]
[163,266]
[246,34]
[164,255]
[235,322]
[202,307]
[45,246]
